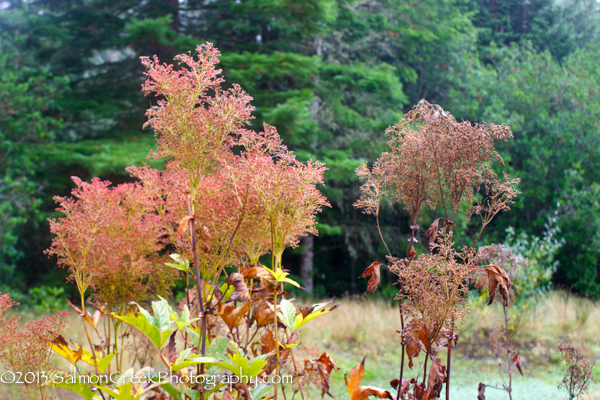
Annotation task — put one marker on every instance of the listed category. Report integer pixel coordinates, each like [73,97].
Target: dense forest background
[331,75]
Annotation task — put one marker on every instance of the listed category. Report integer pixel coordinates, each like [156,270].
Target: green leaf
[104,362]
[281,277]
[218,347]
[151,331]
[123,392]
[182,321]
[180,264]
[80,388]
[287,314]
[161,313]
[194,335]
[260,391]
[241,366]
[174,393]
[318,310]
[183,361]
[146,314]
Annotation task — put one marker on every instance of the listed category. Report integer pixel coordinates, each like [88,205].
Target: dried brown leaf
[498,278]
[266,278]
[437,377]
[358,392]
[432,232]
[86,315]
[324,365]
[263,314]
[184,224]
[405,385]
[373,272]
[234,316]
[241,292]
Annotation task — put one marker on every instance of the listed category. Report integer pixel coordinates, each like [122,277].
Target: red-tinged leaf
[373,272]
[481,391]
[432,232]
[405,385]
[241,292]
[517,363]
[411,252]
[420,393]
[449,223]
[171,351]
[358,392]
[324,365]
[85,315]
[234,316]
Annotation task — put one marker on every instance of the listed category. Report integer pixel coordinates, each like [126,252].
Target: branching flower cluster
[227,196]
[579,372]
[446,165]
[25,348]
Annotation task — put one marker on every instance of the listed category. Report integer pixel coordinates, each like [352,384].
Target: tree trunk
[308,242]
[306,262]
[173,9]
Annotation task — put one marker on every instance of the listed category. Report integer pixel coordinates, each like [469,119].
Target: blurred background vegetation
[331,75]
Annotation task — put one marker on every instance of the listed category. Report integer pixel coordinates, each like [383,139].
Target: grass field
[362,327]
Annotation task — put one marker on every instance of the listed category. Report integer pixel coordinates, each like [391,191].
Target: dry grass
[363,326]
[368,327]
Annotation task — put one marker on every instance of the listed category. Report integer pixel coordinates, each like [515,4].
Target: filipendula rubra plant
[227,196]
[24,350]
[579,373]
[437,162]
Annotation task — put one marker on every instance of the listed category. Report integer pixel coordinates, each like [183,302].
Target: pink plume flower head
[110,239]
[195,118]
[24,349]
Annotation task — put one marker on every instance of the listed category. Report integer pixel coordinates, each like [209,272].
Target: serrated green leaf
[170,389]
[161,314]
[242,366]
[151,320]
[287,313]
[152,332]
[218,347]
[260,391]
[318,310]
[193,361]
[104,362]
[80,388]
[194,335]
[281,277]
[180,264]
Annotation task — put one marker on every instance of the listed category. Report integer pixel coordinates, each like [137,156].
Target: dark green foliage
[553,110]
[557,26]
[28,117]
[331,75]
